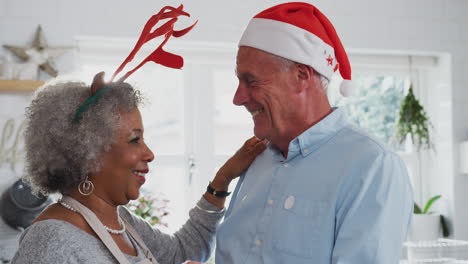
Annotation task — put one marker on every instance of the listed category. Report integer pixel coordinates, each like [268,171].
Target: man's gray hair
[60,153]
[287,64]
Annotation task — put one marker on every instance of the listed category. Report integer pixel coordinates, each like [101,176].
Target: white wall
[405,25]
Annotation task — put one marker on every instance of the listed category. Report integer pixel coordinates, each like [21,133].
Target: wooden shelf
[19,85]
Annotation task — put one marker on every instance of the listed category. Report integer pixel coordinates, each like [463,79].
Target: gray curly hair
[60,153]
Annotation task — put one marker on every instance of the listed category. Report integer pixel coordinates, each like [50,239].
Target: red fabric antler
[159,55]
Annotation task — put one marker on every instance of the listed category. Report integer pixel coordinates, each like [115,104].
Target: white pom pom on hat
[300,32]
[347,88]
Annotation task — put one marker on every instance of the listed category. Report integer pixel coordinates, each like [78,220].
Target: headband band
[90,101]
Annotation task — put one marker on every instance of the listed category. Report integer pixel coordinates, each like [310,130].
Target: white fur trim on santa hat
[290,42]
[347,88]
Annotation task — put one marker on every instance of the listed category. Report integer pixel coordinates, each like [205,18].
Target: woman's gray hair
[61,153]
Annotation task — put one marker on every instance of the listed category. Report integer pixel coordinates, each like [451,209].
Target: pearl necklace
[110,230]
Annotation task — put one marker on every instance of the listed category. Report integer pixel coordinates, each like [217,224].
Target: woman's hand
[241,159]
[234,167]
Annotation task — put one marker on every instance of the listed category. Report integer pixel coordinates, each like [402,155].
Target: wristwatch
[220,194]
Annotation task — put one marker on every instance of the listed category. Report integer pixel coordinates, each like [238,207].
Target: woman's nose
[148,154]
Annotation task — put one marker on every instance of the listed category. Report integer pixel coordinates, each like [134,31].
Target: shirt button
[270,202]
[258,242]
[289,203]
[285,164]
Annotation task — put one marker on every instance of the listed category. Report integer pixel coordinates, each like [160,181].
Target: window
[376,104]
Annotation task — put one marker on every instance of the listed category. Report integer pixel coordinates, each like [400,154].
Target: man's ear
[304,72]
[304,75]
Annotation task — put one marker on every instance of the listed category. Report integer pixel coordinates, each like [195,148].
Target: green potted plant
[426,224]
[413,121]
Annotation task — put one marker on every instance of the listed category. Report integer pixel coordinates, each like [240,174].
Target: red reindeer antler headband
[159,55]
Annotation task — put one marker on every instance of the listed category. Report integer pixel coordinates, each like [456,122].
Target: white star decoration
[39,53]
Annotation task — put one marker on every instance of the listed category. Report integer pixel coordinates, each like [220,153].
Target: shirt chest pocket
[296,225]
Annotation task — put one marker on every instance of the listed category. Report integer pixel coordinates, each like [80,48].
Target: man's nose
[241,96]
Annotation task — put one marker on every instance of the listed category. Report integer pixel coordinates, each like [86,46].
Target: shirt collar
[311,139]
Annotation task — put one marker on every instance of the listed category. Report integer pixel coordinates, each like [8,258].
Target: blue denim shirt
[340,196]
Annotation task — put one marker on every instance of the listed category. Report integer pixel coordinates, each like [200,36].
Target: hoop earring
[86,187]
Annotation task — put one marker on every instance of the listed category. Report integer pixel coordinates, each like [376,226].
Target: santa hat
[301,33]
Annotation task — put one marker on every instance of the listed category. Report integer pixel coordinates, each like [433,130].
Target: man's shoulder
[357,140]
[364,156]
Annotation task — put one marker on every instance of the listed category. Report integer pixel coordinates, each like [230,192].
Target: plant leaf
[443,223]
[413,120]
[417,209]
[430,202]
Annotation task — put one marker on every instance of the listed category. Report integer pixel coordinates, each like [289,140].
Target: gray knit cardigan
[55,241]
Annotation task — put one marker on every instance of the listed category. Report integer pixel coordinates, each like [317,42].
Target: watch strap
[213,191]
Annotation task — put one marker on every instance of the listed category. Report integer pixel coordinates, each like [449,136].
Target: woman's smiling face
[125,165]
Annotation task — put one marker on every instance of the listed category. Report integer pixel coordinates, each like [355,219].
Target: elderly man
[324,191]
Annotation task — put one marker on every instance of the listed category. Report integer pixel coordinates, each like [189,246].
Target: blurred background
[190,121]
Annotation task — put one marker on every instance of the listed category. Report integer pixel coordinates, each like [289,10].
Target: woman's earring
[86,187]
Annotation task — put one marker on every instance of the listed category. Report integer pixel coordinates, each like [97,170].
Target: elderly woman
[88,145]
